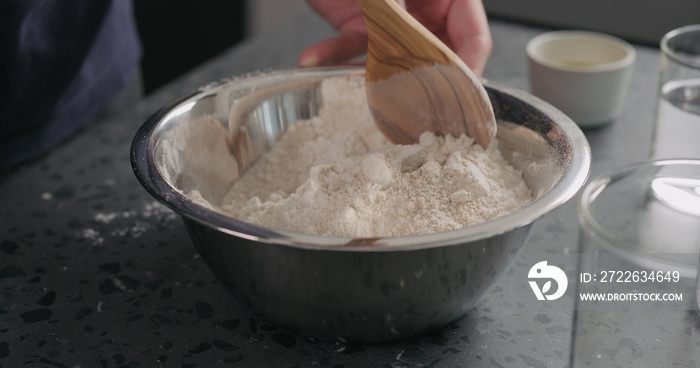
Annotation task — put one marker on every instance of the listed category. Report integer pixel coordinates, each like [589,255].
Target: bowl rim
[144,166]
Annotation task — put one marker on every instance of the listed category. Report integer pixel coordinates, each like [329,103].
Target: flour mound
[336,175]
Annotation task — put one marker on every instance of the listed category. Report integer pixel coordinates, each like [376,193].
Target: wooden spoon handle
[394,34]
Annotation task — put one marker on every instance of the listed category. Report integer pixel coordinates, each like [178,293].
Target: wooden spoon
[415,83]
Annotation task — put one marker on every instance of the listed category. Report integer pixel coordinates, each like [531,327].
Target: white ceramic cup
[584,74]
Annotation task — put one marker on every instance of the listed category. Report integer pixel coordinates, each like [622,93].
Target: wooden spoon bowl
[415,83]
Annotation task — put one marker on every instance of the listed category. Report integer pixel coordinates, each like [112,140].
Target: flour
[151,215]
[336,175]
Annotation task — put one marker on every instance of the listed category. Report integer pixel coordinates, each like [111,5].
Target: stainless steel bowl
[364,290]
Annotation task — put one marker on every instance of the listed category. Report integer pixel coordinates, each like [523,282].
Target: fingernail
[309,61]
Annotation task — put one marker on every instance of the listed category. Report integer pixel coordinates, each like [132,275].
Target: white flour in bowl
[337,175]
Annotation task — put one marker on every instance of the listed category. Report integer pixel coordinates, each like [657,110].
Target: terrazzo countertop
[95,273]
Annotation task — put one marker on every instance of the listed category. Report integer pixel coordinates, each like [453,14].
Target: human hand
[461,24]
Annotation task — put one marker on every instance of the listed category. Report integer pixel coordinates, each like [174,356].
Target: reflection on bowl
[364,290]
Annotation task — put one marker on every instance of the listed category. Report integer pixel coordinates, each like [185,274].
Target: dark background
[178,35]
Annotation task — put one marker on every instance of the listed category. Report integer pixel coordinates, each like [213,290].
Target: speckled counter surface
[95,273]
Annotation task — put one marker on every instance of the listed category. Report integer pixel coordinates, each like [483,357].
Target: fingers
[468,28]
[475,51]
[463,22]
[342,48]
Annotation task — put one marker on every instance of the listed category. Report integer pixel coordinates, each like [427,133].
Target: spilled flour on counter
[336,175]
